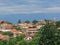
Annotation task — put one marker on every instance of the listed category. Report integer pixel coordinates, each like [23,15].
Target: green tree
[5,42]
[23,42]
[21,37]
[49,35]
[34,21]
[19,21]
[7,22]
[12,41]
[8,33]
[1,42]
[27,21]
[17,27]
[58,23]
[34,26]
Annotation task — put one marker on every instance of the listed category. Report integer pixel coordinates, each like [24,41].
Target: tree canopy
[27,21]
[58,23]
[49,35]
[34,21]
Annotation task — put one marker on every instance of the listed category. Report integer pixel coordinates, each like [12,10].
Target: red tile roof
[14,31]
[1,36]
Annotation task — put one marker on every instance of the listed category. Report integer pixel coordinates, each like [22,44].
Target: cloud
[25,9]
[29,6]
[52,10]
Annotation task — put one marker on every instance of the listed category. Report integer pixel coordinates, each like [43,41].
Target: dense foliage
[49,35]
[58,23]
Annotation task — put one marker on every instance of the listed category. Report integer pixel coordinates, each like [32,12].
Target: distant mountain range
[14,17]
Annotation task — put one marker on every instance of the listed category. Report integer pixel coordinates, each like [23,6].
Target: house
[42,22]
[24,25]
[1,36]
[4,30]
[4,37]
[6,26]
[15,32]
[28,38]
[31,30]
[38,26]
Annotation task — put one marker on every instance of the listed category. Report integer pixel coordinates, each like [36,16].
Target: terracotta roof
[4,37]
[1,36]
[7,25]
[27,37]
[14,31]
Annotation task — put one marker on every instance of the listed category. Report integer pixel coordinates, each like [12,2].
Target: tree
[27,21]
[34,21]
[49,35]
[19,38]
[7,22]
[58,23]
[23,42]
[12,42]
[34,26]
[1,42]
[7,33]
[5,42]
[17,27]
[19,21]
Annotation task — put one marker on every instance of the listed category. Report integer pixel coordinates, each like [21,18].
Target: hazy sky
[12,10]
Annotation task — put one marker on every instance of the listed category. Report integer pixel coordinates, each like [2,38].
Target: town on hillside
[25,31]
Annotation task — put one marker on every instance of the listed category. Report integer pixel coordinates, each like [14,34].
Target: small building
[6,26]
[28,38]
[31,30]
[15,32]
[4,37]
